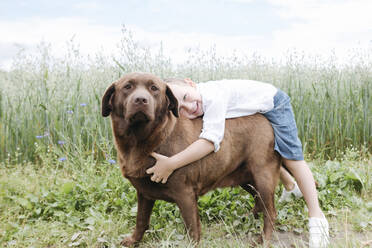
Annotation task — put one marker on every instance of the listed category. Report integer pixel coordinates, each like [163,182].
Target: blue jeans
[281,117]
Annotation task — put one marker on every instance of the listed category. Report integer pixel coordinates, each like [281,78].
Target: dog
[144,118]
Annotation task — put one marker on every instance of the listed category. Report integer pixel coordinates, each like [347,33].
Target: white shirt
[226,99]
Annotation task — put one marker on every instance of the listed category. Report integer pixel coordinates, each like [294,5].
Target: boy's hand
[162,169]
[165,166]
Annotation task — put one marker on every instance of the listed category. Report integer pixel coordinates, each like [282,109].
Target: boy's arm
[165,166]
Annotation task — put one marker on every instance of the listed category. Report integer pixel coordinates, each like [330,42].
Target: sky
[269,28]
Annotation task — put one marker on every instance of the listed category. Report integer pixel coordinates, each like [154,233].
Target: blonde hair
[176,81]
[180,82]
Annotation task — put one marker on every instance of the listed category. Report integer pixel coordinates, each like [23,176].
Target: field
[60,185]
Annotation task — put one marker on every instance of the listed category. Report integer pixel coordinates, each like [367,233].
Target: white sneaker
[319,233]
[286,195]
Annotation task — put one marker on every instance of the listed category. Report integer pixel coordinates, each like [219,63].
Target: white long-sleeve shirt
[226,99]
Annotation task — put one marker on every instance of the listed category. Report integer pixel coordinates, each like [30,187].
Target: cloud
[28,33]
[178,43]
[312,26]
[91,38]
[57,31]
[94,6]
[240,1]
[321,26]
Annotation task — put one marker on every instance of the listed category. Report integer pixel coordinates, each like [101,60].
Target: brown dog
[144,119]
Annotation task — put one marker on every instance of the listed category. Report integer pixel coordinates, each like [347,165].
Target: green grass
[61,97]
[87,204]
[59,189]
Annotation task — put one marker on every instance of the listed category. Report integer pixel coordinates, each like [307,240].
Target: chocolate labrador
[144,117]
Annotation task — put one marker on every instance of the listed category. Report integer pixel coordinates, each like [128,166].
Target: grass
[61,97]
[83,204]
[60,185]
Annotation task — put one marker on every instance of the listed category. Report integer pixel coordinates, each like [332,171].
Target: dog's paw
[128,241]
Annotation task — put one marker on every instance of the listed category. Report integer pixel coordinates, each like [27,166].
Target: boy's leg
[290,186]
[286,179]
[305,180]
[318,225]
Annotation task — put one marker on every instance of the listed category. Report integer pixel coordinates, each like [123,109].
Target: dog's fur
[144,116]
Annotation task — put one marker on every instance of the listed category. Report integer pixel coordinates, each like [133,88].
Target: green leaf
[38,211]
[335,176]
[157,227]
[363,224]
[67,187]
[74,244]
[33,198]
[236,223]
[75,236]
[42,106]
[25,203]
[283,228]
[353,177]
[90,220]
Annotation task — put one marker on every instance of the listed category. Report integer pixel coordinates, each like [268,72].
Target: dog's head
[138,101]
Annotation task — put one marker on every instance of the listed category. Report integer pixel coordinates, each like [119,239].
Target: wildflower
[70,112]
[111,161]
[39,136]
[83,104]
[61,142]
[46,134]
[62,159]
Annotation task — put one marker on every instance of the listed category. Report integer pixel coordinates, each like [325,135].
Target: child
[220,100]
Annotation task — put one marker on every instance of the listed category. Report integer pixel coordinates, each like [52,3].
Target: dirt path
[341,235]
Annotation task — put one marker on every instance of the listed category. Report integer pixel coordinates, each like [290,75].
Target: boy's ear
[107,101]
[173,102]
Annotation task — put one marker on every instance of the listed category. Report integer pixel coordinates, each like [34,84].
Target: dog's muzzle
[139,117]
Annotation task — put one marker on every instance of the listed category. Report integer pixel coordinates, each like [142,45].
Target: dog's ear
[173,102]
[106,101]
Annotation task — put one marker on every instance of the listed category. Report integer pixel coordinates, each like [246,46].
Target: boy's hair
[177,81]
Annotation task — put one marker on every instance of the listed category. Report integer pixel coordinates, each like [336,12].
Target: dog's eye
[154,88]
[128,86]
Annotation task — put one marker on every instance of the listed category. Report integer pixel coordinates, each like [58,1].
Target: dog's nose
[141,100]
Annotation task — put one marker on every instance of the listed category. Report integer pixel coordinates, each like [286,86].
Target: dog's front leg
[144,209]
[189,211]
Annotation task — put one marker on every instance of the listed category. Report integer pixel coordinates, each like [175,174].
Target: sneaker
[319,233]
[286,195]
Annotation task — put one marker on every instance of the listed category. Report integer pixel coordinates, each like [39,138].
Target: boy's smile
[189,100]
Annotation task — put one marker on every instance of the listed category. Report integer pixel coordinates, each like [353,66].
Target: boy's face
[189,100]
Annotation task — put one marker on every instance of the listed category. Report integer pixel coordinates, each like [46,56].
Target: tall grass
[50,104]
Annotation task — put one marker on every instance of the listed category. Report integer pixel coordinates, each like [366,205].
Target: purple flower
[111,161]
[62,159]
[39,136]
[83,104]
[61,142]
[70,112]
